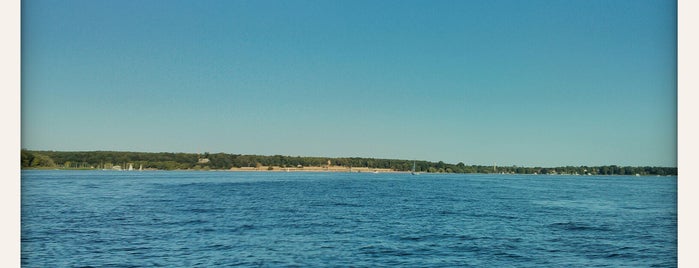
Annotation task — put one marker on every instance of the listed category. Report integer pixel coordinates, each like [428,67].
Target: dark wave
[579,226]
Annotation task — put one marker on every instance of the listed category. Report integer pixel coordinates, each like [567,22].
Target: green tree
[41,160]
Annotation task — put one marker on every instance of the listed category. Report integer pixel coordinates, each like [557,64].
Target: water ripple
[222,219]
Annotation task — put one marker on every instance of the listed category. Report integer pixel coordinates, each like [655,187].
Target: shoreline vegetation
[113,160]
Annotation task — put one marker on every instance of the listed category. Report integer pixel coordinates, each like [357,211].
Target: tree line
[191,161]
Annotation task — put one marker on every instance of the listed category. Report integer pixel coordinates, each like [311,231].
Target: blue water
[205,219]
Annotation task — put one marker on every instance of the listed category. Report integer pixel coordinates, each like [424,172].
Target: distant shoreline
[116,160]
[337,169]
[315,169]
[333,170]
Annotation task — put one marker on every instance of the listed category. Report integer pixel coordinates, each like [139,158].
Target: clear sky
[528,83]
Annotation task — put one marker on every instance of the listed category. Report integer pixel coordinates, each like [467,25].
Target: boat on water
[413,172]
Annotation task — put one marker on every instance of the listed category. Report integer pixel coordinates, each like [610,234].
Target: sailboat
[413,171]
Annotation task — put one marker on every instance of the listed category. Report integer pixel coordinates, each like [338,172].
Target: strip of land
[112,160]
[315,169]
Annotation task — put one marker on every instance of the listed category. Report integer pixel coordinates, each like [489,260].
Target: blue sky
[529,83]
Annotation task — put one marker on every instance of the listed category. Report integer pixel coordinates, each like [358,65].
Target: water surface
[204,219]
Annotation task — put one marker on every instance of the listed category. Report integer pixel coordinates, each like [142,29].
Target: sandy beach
[314,169]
